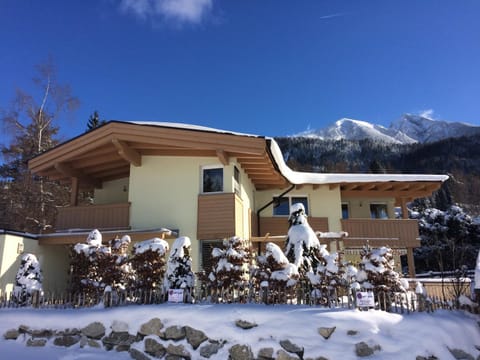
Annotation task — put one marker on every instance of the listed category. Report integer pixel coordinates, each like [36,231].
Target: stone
[137,354]
[23,329]
[210,349]
[36,342]
[175,333]
[240,352]
[362,349]
[95,330]
[124,339]
[178,352]
[68,332]
[326,332]
[11,334]
[287,345]
[352,332]
[459,354]
[66,340]
[154,348]
[41,333]
[119,326]
[265,354]
[195,337]
[151,327]
[431,357]
[283,355]
[245,324]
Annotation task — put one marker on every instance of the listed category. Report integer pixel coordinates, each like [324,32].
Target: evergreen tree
[179,273]
[28,280]
[94,121]
[29,202]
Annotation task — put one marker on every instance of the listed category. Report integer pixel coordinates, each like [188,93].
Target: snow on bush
[230,266]
[179,273]
[28,280]
[148,264]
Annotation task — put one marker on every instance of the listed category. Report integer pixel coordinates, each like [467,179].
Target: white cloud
[325,17]
[180,11]
[427,113]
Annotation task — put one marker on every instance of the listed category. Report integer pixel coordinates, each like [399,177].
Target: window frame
[347,205]
[290,202]
[378,204]
[202,178]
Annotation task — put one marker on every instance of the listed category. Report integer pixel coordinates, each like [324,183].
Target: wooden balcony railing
[381,232]
[278,225]
[111,216]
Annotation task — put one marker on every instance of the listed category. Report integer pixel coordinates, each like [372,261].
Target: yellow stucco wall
[54,262]
[163,192]
[112,192]
[323,202]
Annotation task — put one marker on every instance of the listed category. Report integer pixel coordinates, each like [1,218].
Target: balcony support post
[74,192]
[410,262]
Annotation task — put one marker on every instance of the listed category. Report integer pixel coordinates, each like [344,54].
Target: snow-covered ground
[399,336]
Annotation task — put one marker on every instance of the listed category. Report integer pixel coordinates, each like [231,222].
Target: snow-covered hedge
[28,280]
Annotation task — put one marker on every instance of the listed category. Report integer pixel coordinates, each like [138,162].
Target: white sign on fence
[365,299]
[175,295]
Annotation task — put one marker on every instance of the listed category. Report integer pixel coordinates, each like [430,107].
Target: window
[212,180]
[378,211]
[281,206]
[345,211]
[236,177]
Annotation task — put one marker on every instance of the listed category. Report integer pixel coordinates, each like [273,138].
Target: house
[210,184]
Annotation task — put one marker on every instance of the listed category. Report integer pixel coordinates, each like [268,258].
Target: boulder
[175,333]
[210,349]
[124,339]
[287,345]
[151,327]
[283,355]
[154,348]
[243,324]
[362,349]
[137,354]
[195,337]
[326,332]
[240,352]
[11,334]
[459,354]
[66,340]
[119,326]
[36,342]
[95,330]
[352,332]
[179,352]
[265,354]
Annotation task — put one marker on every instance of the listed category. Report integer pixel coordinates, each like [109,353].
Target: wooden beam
[223,157]
[68,171]
[126,152]
[74,192]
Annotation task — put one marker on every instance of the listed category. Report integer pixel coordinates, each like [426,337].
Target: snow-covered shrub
[148,264]
[122,273]
[28,280]
[377,274]
[230,267]
[275,277]
[179,273]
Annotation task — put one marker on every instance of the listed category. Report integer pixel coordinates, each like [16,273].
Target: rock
[23,329]
[154,348]
[41,333]
[362,349]
[326,332]
[178,352]
[245,324]
[151,327]
[460,354]
[431,357]
[124,339]
[175,333]
[68,332]
[119,326]
[292,348]
[195,337]
[11,334]
[240,352]
[137,354]
[66,340]
[265,354]
[36,342]
[95,330]
[352,332]
[210,349]
[283,355]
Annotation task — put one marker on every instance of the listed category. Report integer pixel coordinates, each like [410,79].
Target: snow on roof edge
[298,178]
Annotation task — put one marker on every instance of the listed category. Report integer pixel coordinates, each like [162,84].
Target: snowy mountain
[408,129]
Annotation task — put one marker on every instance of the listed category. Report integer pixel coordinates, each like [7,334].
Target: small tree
[148,264]
[94,121]
[179,267]
[230,267]
[28,280]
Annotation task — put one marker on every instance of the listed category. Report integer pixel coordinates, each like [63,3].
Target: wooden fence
[392,302]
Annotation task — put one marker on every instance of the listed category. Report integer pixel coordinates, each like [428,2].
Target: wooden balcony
[111,216]
[395,233]
[219,216]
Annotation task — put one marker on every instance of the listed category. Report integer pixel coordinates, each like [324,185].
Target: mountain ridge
[408,129]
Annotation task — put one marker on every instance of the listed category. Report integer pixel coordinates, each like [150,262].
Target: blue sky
[268,67]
